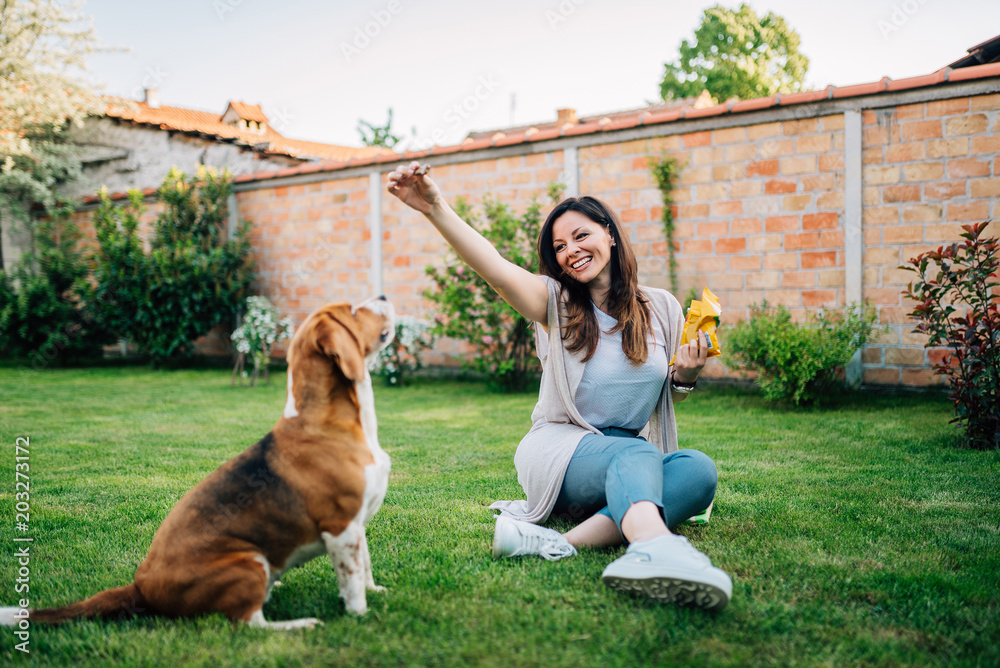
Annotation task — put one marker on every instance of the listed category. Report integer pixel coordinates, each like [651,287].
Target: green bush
[191,279]
[470,310]
[798,362]
[47,304]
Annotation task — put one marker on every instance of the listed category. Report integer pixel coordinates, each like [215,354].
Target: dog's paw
[371,586]
[357,607]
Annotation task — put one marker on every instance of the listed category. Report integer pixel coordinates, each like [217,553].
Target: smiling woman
[584,242]
[604,342]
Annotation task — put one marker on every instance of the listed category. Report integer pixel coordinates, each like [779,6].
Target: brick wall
[759,215]
[929,168]
[410,242]
[757,212]
[760,212]
[311,242]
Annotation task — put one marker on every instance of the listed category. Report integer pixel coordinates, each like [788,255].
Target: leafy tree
[737,54]
[191,279]
[43,88]
[378,135]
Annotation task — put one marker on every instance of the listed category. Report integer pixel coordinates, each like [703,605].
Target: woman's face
[582,247]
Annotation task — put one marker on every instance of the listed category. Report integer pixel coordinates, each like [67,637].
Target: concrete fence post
[853,238]
[375,226]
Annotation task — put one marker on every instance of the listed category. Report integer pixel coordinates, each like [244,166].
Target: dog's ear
[336,339]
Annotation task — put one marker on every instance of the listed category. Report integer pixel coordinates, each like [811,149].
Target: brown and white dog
[307,488]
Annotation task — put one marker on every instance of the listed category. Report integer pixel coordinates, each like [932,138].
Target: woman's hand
[415,190]
[691,359]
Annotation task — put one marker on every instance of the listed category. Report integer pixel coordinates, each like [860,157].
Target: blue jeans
[611,472]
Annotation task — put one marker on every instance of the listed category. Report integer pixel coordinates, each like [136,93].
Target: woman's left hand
[691,359]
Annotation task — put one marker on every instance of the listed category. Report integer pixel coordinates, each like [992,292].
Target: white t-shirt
[614,392]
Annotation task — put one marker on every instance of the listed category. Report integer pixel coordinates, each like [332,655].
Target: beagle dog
[307,488]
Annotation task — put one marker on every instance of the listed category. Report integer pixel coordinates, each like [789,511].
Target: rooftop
[241,124]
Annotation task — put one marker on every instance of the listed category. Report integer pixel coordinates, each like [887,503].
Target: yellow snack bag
[703,315]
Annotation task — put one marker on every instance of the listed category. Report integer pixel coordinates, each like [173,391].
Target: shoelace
[539,541]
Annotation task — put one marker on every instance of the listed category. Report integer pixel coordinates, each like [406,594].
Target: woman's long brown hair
[625,303]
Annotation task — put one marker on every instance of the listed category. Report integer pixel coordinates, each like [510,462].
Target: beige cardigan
[557,427]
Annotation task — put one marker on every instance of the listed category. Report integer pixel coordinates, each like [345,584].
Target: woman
[605,345]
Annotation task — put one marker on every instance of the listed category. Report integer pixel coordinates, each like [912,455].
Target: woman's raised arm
[526,292]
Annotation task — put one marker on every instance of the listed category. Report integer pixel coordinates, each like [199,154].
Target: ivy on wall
[666,171]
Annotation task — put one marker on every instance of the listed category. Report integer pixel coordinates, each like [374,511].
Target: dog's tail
[122,603]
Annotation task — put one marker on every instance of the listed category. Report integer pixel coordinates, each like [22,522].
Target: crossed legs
[626,487]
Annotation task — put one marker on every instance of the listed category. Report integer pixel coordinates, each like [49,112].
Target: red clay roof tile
[622,124]
[475,145]
[917,82]
[443,150]
[515,138]
[250,112]
[582,129]
[210,125]
[752,105]
[646,117]
[662,117]
[981,71]
[714,110]
[542,135]
[414,155]
[804,97]
[858,89]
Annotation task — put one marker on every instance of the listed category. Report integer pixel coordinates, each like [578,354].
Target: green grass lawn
[855,535]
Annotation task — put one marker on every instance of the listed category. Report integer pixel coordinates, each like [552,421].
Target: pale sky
[448,67]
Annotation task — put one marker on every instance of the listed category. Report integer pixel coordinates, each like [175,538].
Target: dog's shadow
[311,591]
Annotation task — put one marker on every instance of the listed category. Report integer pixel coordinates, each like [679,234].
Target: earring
[612,243]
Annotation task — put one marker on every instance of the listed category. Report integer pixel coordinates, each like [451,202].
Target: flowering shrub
[402,357]
[958,306]
[794,361]
[260,330]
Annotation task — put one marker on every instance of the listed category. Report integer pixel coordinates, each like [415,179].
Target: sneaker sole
[672,590]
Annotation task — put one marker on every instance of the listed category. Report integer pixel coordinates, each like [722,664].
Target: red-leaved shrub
[957,299]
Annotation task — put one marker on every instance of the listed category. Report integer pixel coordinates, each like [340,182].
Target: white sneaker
[670,569]
[514,538]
